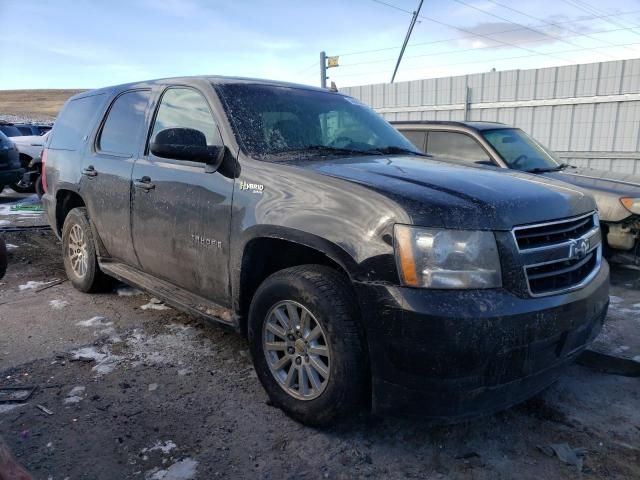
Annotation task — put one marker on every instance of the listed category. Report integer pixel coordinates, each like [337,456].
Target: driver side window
[456,146]
[186,108]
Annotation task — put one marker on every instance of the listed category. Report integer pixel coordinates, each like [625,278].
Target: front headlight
[437,258]
[631,204]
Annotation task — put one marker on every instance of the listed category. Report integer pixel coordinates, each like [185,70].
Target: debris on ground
[566,454]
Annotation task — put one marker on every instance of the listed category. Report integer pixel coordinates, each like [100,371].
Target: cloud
[505,33]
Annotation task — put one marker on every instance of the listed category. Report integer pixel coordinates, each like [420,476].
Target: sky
[91,44]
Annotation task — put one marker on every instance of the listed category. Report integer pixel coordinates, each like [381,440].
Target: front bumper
[7,177]
[457,354]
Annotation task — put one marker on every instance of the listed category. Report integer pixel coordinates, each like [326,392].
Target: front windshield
[519,150]
[273,122]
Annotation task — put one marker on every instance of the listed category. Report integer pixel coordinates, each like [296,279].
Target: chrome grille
[560,256]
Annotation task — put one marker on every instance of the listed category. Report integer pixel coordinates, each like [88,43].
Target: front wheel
[306,344]
[3,257]
[79,253]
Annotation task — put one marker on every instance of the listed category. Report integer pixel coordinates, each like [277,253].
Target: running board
[175,296]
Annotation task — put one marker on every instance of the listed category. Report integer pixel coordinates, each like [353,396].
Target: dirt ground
[137,390]
[33,104]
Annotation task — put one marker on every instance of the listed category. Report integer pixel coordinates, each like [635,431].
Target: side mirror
[187,144]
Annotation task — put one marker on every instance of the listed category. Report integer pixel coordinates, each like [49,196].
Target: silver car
[496,145]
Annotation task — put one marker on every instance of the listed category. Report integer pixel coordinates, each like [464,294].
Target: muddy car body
[303,219]
[496,145]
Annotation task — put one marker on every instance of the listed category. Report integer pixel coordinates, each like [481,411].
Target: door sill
[175,296]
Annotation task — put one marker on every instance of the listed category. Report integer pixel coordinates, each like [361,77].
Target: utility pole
[406,40]
[323,70]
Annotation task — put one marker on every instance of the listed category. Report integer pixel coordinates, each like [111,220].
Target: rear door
[106,172]
[457,147]
[180,213]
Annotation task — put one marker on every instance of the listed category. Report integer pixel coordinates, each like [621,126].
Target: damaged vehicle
[496,145]
[363,274]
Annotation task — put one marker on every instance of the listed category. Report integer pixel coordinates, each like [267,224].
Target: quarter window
[186,108]
[457,146]
[121,129]
[416,137]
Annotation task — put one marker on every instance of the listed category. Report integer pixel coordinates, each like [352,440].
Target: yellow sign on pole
[332,62]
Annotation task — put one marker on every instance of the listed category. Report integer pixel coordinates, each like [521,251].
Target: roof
[215,79]
[473,125]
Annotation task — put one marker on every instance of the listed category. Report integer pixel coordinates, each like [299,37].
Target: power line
[497,59]
[539,32]
[314,64]
[520,12]
[454,51]
[434,20]
[445,40]
[590,9]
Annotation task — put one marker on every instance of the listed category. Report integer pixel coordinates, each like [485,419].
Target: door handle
[90,171]
[144,183]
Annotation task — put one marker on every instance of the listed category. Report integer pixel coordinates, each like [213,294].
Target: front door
[106,173]
[180,214]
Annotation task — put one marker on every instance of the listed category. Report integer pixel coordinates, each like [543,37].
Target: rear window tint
[10,131]
[74,122]
[124,120]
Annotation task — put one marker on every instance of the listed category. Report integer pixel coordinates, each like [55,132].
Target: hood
[36,140]
[590,179]
[606,187]
[440,194]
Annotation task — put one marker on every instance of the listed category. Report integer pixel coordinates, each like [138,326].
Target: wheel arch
[267,250]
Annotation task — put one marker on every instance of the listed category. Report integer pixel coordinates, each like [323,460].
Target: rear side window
[417,137]
[455,146]
[74,121]
[25,130]
[121,129]
[10,131]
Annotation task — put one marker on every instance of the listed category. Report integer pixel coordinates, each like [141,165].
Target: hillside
[32,104]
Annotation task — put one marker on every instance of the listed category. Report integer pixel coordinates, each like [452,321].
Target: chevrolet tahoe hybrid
[364,274]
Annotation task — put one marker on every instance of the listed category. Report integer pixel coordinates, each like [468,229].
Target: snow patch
[182,470]
[154,304]
[58,304]
[97,321]
[32,285]
[11,406]
[11,246]
[164,447]
[4,222]
[74,395]
[106,362]
[613,299]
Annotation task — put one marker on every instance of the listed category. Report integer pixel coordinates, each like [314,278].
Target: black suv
[362,272]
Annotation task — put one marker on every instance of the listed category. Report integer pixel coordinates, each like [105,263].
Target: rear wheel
[1,188]
[23,187]
[79,253]
[306,345]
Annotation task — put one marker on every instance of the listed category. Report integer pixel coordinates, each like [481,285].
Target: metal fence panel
[589,113]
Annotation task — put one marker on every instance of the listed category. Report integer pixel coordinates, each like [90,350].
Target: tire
[1,188]
[85,276]
[328,297]
[21,187]
[39,186]
[3,258]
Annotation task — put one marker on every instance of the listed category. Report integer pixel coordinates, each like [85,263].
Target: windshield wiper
[393,150]
[558,168]
[324,148]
